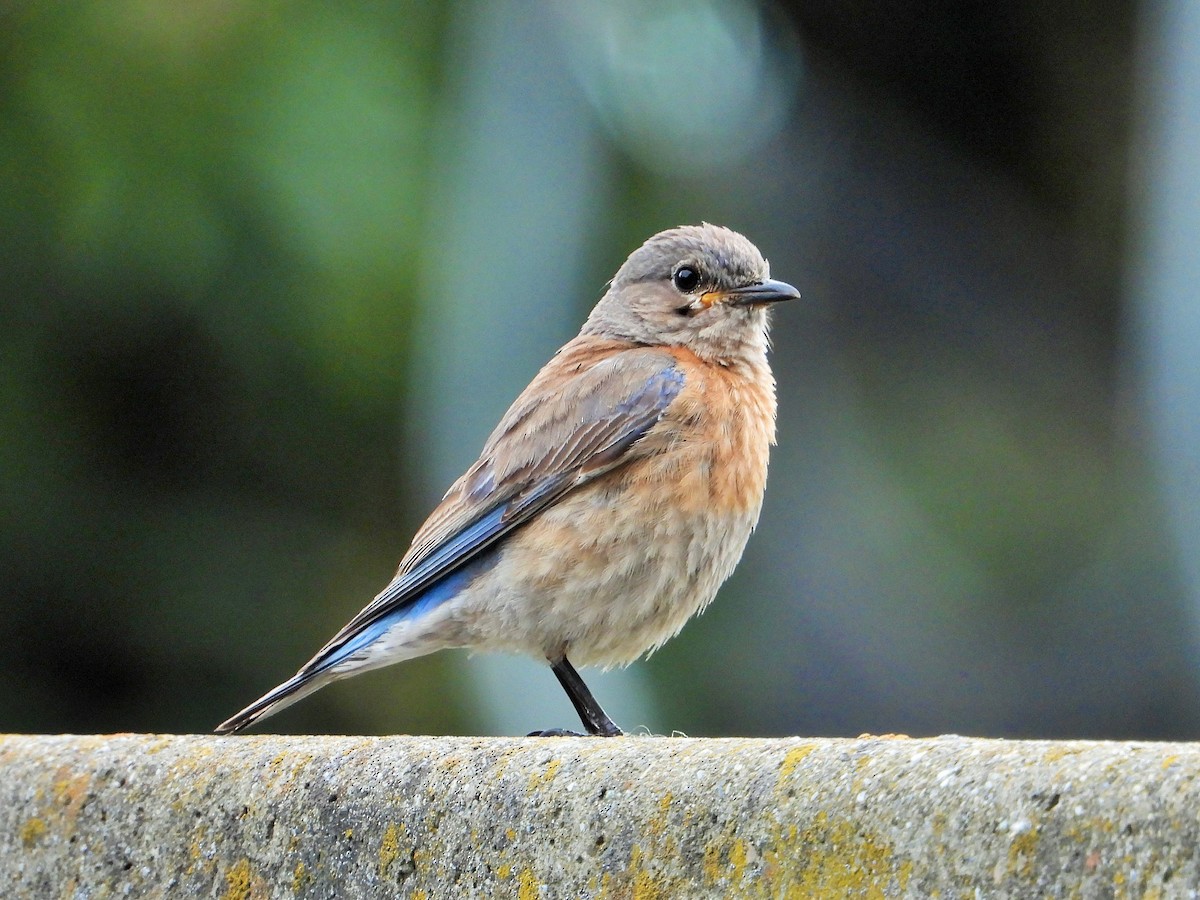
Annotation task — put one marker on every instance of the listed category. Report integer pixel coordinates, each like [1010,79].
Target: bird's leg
[594,719]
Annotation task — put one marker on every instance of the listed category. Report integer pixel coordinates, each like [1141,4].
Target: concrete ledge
[249,817]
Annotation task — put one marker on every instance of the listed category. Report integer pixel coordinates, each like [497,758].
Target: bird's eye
[686,279]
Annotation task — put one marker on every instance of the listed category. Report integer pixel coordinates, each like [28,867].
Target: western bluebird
[614,497]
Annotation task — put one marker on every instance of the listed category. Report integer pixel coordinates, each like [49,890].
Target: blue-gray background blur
[270,272]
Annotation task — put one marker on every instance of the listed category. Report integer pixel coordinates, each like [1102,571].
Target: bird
[614,497]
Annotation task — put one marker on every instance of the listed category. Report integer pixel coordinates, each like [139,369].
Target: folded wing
[560,433]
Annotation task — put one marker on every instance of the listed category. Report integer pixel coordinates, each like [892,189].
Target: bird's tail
[298,686]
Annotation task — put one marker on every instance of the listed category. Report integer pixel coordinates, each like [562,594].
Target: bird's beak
[769,291]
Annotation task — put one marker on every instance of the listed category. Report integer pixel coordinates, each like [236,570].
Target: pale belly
[603,579]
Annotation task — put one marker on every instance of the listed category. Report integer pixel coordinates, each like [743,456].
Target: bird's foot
[614,731]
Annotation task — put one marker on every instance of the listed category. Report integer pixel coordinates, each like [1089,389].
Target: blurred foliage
[210,224]
[221,229]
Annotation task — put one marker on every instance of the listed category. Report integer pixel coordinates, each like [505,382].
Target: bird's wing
[577,420]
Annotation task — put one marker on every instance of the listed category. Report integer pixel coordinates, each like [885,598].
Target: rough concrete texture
[249,817]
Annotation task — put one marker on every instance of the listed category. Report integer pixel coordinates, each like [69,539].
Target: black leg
[594,719]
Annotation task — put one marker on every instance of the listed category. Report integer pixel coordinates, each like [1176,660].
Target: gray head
[698,286]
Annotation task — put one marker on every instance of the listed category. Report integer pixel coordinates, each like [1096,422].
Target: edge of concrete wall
[277,816]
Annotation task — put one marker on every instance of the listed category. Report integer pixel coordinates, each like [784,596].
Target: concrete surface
[638,817]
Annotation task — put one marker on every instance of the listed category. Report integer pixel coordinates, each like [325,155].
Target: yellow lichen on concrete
[712,863]
[285,769]
[238,881]
[195,851]
[781,867]
[422,860]
[300,877]
[164,742]
[1022,853]
[839,861]
[647,883]
[726,858]
[527,886]
[1060,752]
[539,779]
[32,831]
[653,873]
[658,823]
[937,824]
[70,791]
[793,758]
[737,860]
[59,811]
[389,848]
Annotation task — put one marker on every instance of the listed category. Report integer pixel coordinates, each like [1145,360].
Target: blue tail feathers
[441,591]
[319,671]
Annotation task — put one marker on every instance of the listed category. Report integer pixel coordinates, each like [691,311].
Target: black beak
[769,291]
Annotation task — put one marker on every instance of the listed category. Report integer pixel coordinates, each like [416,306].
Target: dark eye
[686,279]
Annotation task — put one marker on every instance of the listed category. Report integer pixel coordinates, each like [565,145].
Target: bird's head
[703,287]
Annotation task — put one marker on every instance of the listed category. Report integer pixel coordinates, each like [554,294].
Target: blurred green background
[272,271]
